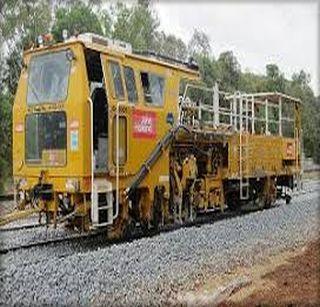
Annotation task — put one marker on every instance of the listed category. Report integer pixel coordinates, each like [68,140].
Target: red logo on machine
[144,124]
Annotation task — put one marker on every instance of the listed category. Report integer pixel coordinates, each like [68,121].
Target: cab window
[48,78]
[46,138]
[153,88]
[117,79]
[130,84]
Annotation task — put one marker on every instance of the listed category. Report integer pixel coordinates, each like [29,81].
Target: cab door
[148,115]
[118,115]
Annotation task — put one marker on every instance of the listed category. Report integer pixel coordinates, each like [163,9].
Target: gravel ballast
[152,270]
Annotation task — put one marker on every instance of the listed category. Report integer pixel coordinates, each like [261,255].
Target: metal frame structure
[242,119]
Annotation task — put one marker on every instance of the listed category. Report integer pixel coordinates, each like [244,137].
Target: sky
[283,33]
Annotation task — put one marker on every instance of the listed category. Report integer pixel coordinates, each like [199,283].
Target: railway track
[40,243]
[29,226]
[101,239]
[6,197]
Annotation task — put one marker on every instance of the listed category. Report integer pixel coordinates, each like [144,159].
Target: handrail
[91,152]
[117,163]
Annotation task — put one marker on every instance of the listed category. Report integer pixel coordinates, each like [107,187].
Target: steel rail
[6,250]
[6,197]
[138,233]
[27,226]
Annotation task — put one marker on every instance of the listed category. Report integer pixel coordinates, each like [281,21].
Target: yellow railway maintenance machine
[104,137]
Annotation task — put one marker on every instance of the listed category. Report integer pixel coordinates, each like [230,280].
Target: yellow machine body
[141,126]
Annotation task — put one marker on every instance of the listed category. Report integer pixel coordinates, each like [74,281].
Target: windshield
[46,138]
[48,78]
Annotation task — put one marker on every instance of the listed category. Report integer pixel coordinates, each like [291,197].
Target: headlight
[72,185]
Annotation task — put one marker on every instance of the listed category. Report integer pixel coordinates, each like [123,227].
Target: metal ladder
[243,101]
[102,203]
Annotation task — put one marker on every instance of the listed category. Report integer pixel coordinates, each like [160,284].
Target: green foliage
[76,19]
[24,20]
[199,44]
[299,87]
[171,46]
[136,25]
[106,22]
[13,61]
[208,69]
[5,137]
[229,71]
[275,81]
[251,83]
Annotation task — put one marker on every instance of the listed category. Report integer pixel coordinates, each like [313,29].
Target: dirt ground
[296,282]
[291,278]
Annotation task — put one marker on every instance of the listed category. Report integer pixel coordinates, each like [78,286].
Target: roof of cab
[113,52]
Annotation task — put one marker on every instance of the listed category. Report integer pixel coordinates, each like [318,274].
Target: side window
[287,122]
[153,88]
[122,140]
[117,80]
[130,84]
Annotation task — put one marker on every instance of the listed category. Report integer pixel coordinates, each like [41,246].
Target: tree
[171,46]
[5,137]
[275,79]
[137,25]
[199,44]
[208,69]
[78,18]
[302,79]
[252,83]
[106,22]
[299,87]
[229,71]
[20,25]
[24,20]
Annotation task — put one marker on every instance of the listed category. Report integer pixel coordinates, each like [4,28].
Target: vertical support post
[280,116]
[117,163]
[301,156]
[93,213]
[240,137]
[235,100]
[216,105]
[247,114]
[252,114]
[231,111]
[267,116]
